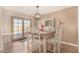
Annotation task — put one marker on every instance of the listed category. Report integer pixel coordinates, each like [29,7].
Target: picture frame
[48,23]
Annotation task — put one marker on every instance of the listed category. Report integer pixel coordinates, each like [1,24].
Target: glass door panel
[26,26]
[20,29]
[15,28]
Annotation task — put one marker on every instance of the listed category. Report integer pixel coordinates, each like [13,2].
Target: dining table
[44,36]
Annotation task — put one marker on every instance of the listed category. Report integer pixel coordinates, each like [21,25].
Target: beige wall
[69,18]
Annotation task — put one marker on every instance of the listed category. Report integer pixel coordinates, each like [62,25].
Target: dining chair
[29,41]
[36,41]
[33,39]
[58,38]
[54,42]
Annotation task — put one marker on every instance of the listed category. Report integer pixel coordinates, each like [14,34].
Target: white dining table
[44,35]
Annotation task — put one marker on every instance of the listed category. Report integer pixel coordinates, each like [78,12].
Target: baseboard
[71,44]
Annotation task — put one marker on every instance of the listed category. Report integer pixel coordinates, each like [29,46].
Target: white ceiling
[31,10]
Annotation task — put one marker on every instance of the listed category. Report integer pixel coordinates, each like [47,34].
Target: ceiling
[31,10]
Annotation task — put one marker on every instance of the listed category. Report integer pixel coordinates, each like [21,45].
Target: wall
[69,18]
[78,26]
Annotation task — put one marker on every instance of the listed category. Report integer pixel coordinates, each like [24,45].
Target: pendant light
[37,15]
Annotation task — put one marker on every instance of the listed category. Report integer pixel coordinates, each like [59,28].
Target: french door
[20,26]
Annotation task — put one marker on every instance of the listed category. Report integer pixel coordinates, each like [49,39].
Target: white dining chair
[58,38]
[36,41]
[34,36]
[29,41]
[54,43]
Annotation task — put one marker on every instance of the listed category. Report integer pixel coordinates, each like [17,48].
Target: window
[20,26]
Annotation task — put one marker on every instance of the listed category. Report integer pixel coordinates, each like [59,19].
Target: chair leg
[54,48]
[59,49]
[39,47]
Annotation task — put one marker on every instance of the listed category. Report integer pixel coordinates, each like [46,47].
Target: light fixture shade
[37,15]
